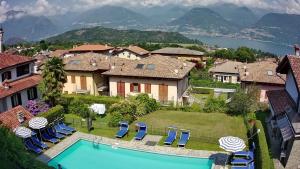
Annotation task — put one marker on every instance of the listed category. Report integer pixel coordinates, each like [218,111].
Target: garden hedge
[89,99]
[213,84]
[53,113]
[202,91]
[262,156]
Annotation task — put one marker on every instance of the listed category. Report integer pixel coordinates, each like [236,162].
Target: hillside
[276,27]
[113,36]
[204,19]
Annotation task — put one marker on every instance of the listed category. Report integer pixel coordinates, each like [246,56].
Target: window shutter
[139,87]
[35,92]
[131,87]
[28,94]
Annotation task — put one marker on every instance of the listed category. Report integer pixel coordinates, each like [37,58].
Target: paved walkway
[219,157]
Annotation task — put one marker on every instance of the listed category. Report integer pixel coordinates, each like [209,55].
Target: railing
[196,135]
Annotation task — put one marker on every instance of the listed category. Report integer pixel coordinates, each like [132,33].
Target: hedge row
[213,84]
[89,99]
[262,156]
[202,91]
[53,113]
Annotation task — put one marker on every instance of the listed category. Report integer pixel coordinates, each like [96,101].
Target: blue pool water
[84,155]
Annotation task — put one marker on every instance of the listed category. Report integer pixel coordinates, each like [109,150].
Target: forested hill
[117,37]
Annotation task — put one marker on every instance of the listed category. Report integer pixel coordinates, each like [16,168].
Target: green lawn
[206,128]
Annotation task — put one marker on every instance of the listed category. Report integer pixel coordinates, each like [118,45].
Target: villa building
[87,48]
[163,78]
[181,53]
[226,72]
[132,53]
[285,108]
[262,74]
[18,83]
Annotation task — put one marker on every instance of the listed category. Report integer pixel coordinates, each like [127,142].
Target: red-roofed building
[15,117]
[18,83]
[87,48]
[285,108]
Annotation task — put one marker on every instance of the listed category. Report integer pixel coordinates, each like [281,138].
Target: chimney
[1,39]
[297,50]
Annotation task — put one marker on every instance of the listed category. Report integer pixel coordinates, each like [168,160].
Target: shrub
[36,107]
[78,107]
[215,104]
[124,107]
[145,104]
[202,91]
[116,117]
[213,84]
[196,107]
[53,113]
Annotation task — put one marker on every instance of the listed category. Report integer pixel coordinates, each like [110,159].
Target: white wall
[128,55]
[14,72]
[231,78]
[172,87]
[291,87]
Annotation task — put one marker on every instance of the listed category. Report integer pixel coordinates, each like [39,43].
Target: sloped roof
[89,48]
[293,63]
[262,72]
[227,67]
[83,62]
[155,66]
[58,53]
[138,50]
[178,51]
[10,119]
[8,60]
[20,85]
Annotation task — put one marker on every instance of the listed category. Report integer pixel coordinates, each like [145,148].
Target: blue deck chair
[240,161]
[249,155]
[171,136]
[38,142]
[184,137]
[54,133]
[61,130]
[30,146]
[124,127]
[141,132]
[65,127]
[47,137]
[249,166]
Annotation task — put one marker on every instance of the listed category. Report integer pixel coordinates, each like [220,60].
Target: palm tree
[54,77]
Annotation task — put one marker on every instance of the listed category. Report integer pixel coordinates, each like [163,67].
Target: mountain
[169,15]
[241,16]
[276,27]
[205,20]
[27,27]
[110,16]
[113,36]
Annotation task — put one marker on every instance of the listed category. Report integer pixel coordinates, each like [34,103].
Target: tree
[54,77]
[214,105]
[243,101]
[245,54]
[43,45]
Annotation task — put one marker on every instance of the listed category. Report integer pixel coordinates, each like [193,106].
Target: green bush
[53,113]
[262,156]
[215,104]
[80,108]
[213,84]
[145,104]
[202,91]
[116,117]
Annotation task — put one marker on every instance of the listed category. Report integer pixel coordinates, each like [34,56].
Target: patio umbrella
[232,144]
[38,123]
[23,132]
[98,108]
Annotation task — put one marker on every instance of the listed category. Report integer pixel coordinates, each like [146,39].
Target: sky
[54,7]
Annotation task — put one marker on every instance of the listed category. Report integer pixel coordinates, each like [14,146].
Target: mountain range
[217,20]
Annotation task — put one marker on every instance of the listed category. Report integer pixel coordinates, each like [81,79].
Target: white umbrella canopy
[98,108]
[23,132]
[232,144]
[38,122]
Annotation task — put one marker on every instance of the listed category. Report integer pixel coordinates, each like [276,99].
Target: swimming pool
[85,155]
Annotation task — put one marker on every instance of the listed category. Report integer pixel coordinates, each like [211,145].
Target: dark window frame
[32,93]
[7,73]
[20,70]
[16,101]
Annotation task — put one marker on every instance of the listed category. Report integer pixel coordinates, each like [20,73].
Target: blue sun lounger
[65,127]
[244,154]
[249,166]
[241,161]
[61,130]
[47,137]
[38,142]
[141,132]
[55,134]
[30,146]
[171,136]
[124,127]
[184,137]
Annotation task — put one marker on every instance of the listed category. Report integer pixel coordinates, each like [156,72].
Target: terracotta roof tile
[280,100]
[295,66]
[8,60]
[58,53]
[90,48]
[10,120]
[138,50]
[226,67]
[177,51]
[20,85]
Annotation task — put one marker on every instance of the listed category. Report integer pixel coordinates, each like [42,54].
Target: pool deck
[219,157]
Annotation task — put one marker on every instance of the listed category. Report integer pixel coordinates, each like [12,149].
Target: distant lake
[278,49]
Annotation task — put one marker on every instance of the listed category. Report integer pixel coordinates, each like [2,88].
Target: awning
[285,128]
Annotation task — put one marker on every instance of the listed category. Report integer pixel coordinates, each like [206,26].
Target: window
[270,73]
[22,70]
[151,66]
[32,93]
[16,100]
[135,87]
[6,75]
[73,79]
[139,66]
[148,88]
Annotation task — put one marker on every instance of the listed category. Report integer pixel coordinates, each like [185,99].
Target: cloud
[4,8]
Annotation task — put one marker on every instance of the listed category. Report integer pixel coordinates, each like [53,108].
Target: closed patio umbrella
[232,144]
[23,132]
